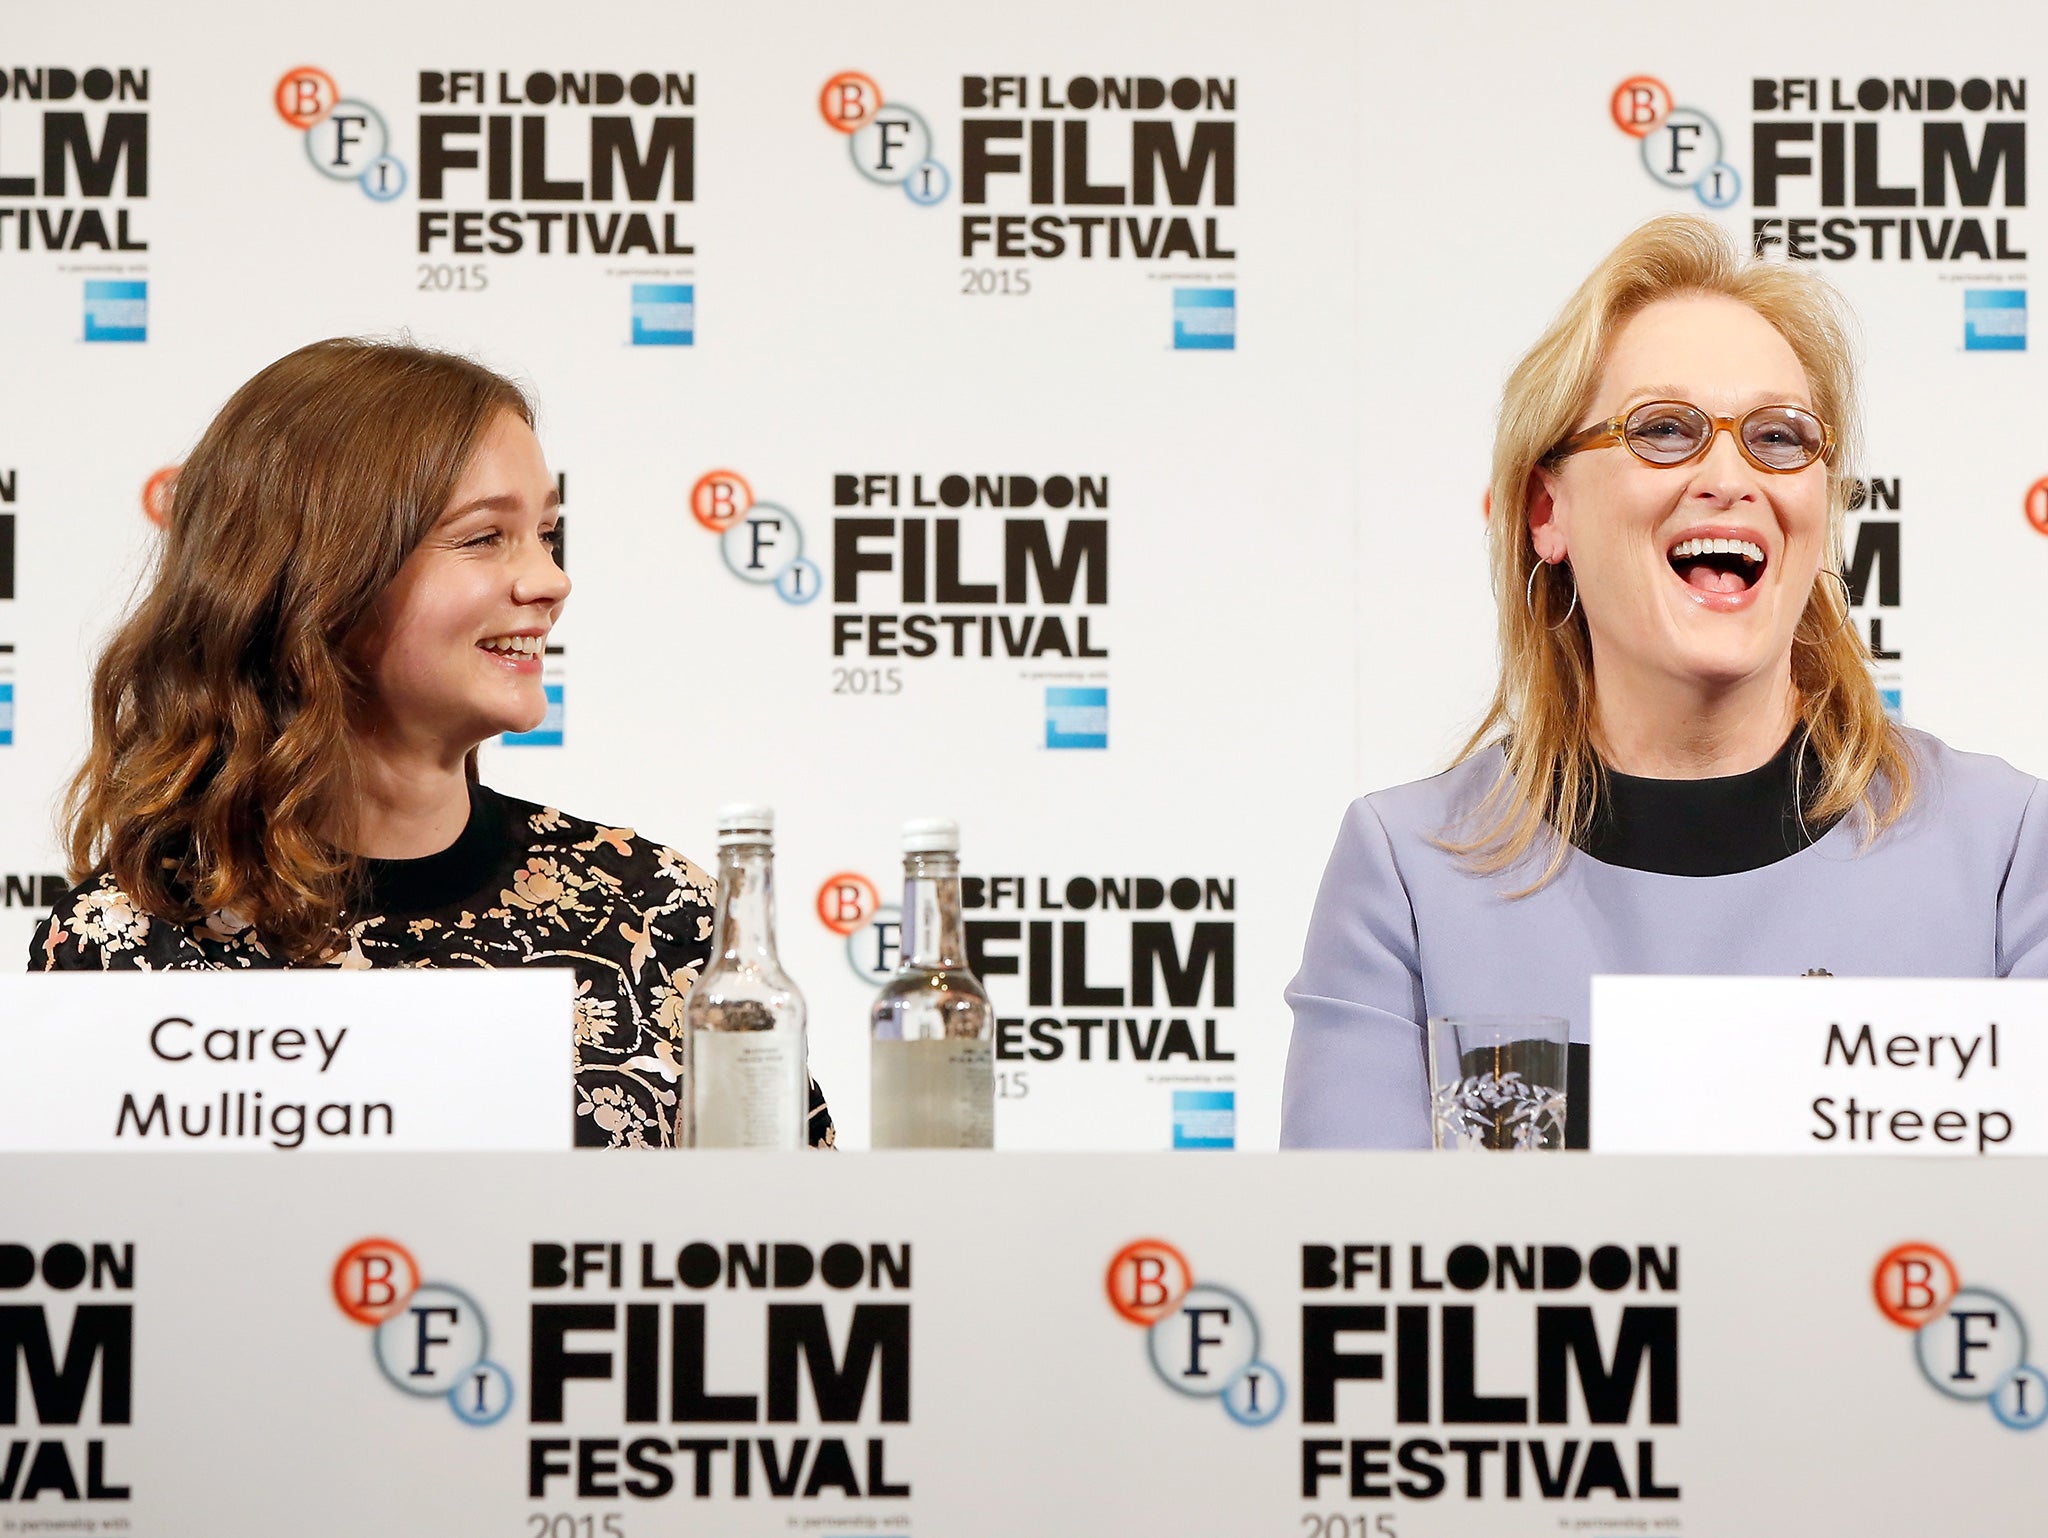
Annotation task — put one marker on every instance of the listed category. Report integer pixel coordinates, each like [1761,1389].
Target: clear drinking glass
[1498,1081]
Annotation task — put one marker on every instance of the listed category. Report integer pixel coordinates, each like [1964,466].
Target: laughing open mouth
[1717,565]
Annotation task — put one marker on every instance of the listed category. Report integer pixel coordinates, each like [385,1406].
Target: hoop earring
[1529,597]
[1841,625]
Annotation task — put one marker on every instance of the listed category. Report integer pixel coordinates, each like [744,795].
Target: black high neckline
[1714,827]
[441,880]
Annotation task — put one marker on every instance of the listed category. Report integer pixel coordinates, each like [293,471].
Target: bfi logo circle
[890,144]
[763,544]
[2037,505]
[156,496]
[1202,1338]
[430,1340]
[346,139]
[1970,1341]
[1681,146]
[851,906]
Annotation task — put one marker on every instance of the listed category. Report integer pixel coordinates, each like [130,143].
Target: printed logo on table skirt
[1968,1339]
[431,1340]
[1202,1338]
[1995,320]
[116,310]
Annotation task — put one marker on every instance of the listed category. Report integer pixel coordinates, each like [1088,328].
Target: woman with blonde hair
[355,589]
[1686,767]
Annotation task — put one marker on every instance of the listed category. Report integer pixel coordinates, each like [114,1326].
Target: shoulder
[1976,779]
[1962,793]
[1421,812]
[550,843]
[1389,835]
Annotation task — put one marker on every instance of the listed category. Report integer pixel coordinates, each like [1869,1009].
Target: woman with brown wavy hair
[1686,768]
[355,588]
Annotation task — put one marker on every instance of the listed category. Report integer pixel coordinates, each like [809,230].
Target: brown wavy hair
[223,767]
[1542,712]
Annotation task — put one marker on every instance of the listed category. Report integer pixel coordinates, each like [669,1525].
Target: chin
[1726,667]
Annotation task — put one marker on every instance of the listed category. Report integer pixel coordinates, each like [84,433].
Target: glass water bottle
[746,1081]
[932,1058]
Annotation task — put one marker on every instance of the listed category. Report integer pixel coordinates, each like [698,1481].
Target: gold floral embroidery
[548,889]
[108,916]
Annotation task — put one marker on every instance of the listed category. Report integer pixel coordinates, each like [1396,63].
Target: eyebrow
[1672,393]
[502,502]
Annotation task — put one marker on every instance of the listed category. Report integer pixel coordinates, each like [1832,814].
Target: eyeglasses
[1777,439]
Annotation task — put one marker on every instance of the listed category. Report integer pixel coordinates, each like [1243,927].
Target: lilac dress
[1402,930]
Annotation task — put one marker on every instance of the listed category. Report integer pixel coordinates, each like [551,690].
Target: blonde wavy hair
[223,765]
[1543,710]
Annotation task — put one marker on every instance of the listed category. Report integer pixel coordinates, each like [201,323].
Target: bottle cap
[745,822]
[931,835]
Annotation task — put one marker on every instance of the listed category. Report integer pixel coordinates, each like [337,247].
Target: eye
[551,536]
[488,537]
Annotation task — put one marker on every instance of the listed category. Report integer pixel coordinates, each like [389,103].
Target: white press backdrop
[1395,201]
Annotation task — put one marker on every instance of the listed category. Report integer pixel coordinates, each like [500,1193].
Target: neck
[1649,729]
[414,799]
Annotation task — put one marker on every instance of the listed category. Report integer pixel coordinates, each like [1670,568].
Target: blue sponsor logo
[549,733]
[1205,318]
[1076,718]
[1892,707]
[116,311]
[6,715]
[1995,320]
[664,314]
[1205,1118]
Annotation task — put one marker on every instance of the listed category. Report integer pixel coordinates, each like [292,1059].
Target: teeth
[1685,549]
[513,645]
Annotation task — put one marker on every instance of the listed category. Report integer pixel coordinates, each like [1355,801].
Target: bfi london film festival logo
[1681,147]
[346,139]
[890,143]
[851,907]
[431,1339]
[762,543]
[1201,1338]
[1969,1341]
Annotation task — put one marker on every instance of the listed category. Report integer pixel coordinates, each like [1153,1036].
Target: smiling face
[454,652]
[1695,574]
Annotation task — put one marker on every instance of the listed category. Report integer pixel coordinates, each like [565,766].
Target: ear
[1546,519]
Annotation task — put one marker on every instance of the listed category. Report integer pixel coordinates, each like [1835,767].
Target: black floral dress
[524,885]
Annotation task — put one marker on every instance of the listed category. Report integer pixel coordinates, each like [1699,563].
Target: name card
[1819,1065]
[182,1062]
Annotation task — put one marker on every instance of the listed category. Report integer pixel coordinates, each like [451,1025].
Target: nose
[539,579]
[1722,474]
